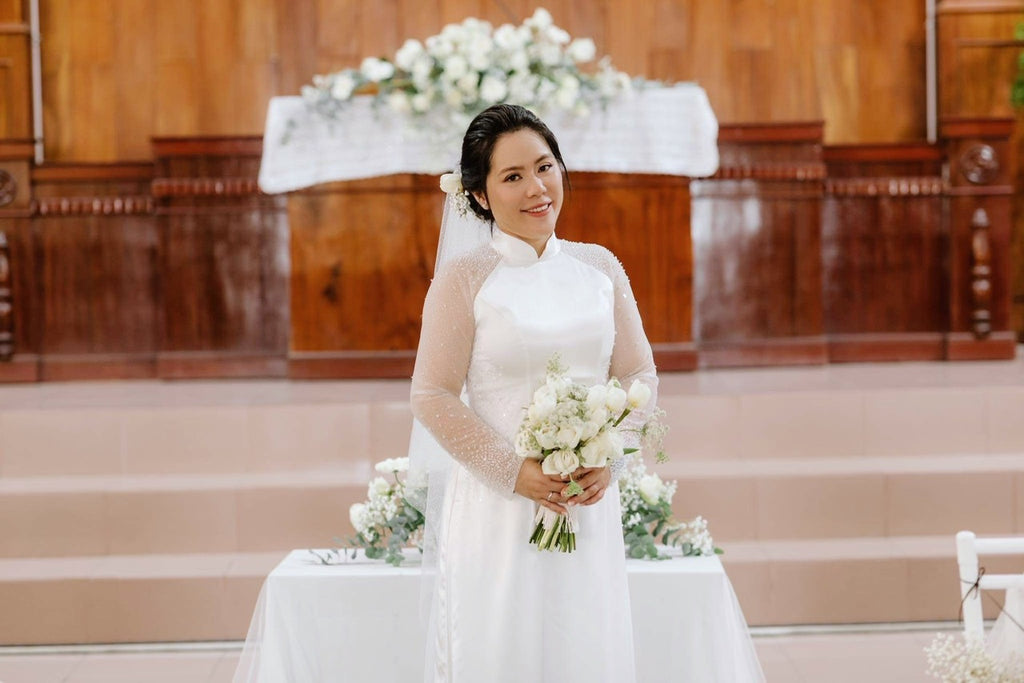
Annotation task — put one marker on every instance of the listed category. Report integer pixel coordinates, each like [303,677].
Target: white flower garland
[470,66]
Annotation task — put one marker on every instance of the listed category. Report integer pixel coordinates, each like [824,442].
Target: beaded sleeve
[632,358]
[442,361]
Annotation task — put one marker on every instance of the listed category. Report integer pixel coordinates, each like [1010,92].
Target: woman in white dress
[502,609]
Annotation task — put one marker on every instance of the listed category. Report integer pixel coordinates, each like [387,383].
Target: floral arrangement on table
[647,520]
[963,659]
[470,66]
[568,426]
[388,522]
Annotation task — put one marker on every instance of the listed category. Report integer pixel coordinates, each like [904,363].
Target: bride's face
[524,187]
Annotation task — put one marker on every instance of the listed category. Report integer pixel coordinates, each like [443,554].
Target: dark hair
[482,135]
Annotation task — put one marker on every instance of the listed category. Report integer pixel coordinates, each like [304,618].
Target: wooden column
[980,199]
[19,292]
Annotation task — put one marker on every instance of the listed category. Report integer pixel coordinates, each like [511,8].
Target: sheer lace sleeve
[442,361]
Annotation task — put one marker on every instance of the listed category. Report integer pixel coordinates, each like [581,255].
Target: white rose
[541,18]
[639,394]
[355,515]
[507,38]
[451,183]
[581,50]
[407,55]
[420,102]
[343,85]
[616,400]
[546,436]
[392,465]
[492,89]
[569,434]
[559,463]
[399,102]
[468,85]
[376,70]
[549,54]
[556,35]
[544,399]
[519,61]
[651,488]
[455,67]
[593,454]
[590,429]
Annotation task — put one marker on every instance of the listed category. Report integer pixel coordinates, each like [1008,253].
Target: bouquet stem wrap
[553,531]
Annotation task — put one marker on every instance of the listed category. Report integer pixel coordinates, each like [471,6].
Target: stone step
[267,426]
[194,597]
[742,500]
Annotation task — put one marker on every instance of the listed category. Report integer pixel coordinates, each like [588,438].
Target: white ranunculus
[581,50]
[651,488]
[399,102]
[560,462]
[616,400]
[392,465]
[455,67]
[546,436]
[407,55]
[343,85]
[639,394]
[376,70]
[356,516]
[493,89]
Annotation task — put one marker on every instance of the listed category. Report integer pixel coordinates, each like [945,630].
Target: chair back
[968,548]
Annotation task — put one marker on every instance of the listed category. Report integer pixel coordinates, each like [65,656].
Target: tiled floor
[819,657]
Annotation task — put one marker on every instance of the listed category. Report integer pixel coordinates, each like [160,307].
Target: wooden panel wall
[977,65]
[883,251]
[15,74]
[757,249]
[117,72]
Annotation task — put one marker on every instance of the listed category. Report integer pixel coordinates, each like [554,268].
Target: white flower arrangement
[387,522]
[646,503]
[470,66]
[963,659]
[568,426]
[451,184]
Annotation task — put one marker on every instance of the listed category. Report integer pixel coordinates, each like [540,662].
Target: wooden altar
[793,252]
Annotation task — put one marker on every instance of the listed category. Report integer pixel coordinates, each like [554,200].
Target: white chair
[968,547]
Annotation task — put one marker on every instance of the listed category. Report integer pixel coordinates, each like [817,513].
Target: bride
[501,609]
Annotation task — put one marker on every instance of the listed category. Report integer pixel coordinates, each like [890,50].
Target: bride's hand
[594,481]
[541,488]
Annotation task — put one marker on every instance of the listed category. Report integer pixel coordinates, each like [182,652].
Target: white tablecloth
[665,130]
[359,622]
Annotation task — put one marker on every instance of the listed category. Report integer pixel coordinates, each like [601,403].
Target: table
[663,130]
[359,622]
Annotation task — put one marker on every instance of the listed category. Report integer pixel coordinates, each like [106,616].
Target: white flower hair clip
[451,183]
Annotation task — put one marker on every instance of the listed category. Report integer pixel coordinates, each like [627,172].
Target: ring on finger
[549,496]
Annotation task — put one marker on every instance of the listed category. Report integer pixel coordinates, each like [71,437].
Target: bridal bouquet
[568,426]
[963,659]
[387,521]
[647,521]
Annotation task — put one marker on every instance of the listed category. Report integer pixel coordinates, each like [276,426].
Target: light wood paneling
[117,72]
